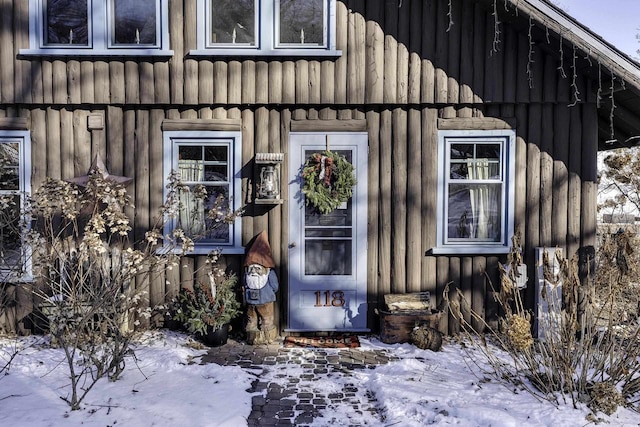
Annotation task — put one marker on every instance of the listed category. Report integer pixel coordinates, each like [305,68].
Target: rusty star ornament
[98,165]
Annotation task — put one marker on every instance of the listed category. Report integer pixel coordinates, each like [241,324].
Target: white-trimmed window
[475,191]
[267,27]
[208,160]
[98,28]
[15,184]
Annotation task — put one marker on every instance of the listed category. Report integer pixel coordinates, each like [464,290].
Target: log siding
[408,69]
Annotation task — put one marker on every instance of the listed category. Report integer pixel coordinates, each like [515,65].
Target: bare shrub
[90,281]
[584,356]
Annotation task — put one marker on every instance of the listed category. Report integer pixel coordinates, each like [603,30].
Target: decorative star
[98,165]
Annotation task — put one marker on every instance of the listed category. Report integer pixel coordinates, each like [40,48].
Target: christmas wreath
[328,181]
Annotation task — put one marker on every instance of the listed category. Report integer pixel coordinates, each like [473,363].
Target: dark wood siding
[404,65]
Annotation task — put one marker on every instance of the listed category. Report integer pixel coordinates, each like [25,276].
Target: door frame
[358,142]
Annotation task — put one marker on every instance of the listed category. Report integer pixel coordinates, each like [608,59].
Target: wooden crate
[395,326]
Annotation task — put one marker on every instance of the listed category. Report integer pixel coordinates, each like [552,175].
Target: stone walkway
[295,386]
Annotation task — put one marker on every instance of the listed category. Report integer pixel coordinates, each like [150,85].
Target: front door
[328,252]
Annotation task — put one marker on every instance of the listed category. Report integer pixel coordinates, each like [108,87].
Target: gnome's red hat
[259,252]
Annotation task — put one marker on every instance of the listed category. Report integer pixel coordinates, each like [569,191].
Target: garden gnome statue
[260,287]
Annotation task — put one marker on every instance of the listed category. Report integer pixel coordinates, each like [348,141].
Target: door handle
[292,245]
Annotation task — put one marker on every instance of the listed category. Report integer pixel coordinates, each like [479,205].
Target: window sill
[469,250]
[205,250]
[160,53]
[324,53]
[14,279]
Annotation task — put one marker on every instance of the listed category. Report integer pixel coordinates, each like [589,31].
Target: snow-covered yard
[166,386]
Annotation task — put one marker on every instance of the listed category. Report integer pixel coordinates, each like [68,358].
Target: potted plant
[207,310]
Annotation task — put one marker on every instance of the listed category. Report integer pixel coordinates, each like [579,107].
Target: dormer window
[98,27]
[275,27]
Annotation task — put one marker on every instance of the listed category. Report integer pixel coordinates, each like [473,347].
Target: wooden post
[234,90]
[6,54]
[73,82]
[248,134]
[131,82]
[160,81]
[155,165]
[429,164]
[53,143]
[142,221]
[390,92]
[129,142]
[302,81]
[275,82]
[87,83]
[480,52]
[176,66]
[356,60]
[402,86]
[427,86]
[442,47]
[415,48]
[478,293]
[116,77]
[546,176]
[374,47]
[560,176]
[414,201]
[575,173]
[399,202]
[262,82]
[467,64]
[66,143]
[101,82]
[59,82]
[288,82]
[248,82]
[384,203]
[190,65]
[453,60]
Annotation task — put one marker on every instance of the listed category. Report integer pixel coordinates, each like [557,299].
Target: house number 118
[331,299]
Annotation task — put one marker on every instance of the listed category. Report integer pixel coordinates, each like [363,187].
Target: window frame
[23,138]
[101,15]
[267,24]
[172,141]
[507,139]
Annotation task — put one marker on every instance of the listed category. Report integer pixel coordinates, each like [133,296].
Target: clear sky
[617,21]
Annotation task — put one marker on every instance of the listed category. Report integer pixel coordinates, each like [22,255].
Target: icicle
[233,36]
[137,36]
[302,36]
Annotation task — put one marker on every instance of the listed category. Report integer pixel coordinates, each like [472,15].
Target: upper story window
[98,27]
[209,163]
[267,27]
[15,184]
[475,191]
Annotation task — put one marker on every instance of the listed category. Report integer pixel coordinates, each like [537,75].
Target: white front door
[328,252]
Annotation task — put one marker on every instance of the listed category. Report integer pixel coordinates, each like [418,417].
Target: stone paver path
[301,386]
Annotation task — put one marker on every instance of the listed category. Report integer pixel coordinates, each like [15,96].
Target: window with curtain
[15,184]
[208,163]
[98,27]
[475,192]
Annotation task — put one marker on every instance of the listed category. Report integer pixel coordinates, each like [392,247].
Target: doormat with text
[337,341]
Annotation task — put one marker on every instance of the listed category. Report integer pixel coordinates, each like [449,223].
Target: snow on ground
[166,386]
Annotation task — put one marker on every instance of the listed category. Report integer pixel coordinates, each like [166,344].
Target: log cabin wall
[407,67]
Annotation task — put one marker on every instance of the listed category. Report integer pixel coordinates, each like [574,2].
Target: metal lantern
[268,183]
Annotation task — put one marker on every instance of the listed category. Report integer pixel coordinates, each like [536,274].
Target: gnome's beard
[256,281]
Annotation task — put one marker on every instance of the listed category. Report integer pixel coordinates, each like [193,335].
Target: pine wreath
[329,179]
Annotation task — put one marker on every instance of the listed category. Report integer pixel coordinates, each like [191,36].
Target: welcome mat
[337,341]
